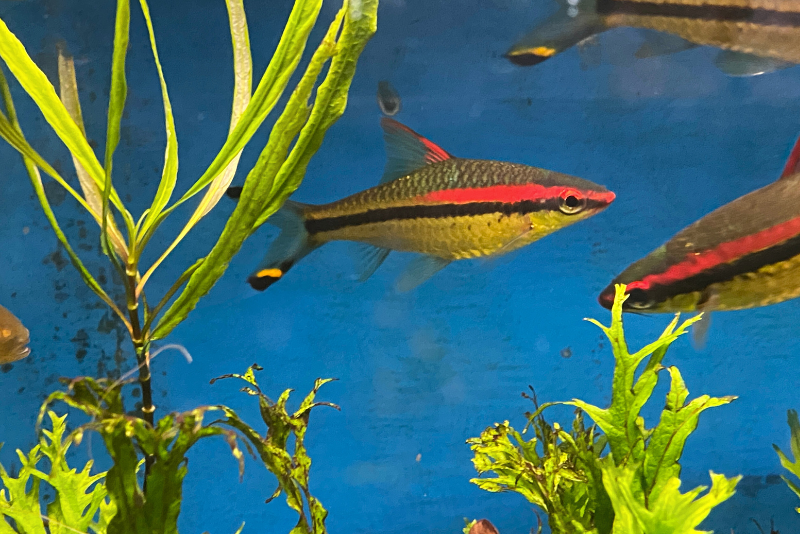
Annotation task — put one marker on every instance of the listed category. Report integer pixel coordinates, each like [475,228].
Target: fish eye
[571,202]
[638,299]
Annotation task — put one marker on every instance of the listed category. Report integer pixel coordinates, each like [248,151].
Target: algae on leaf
[635,487]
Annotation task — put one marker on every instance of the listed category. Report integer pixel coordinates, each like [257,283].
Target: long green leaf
[170,173]
[36,84]
[243,82]
[36,180]
[259,191]
[68,89]
[270,88]
[116,105]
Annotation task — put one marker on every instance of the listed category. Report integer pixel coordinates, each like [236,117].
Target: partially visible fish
[14,338]
[430,202]
[756,36]
[388,99]
[484,526]
[745,254]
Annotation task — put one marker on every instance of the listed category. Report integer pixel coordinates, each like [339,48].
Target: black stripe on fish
[436,211]
[764,17]
[727,271]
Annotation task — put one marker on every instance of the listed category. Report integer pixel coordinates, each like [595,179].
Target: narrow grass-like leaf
[170,174]
[36,84]
[36,180]
[68,89]
[270,88]
[243,81]
[116,105]
[273,178]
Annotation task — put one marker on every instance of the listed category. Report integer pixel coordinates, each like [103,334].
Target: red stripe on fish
[793,163]
[695,264]
[511,194]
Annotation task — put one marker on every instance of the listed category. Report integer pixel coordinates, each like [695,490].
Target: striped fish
[756,36]
[745,254]
[432,203]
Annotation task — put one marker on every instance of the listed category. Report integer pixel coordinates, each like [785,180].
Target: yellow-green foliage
[792,467]
[635,487]
[81,499]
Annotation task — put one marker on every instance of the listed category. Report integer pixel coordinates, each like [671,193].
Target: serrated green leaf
[671,512]
[678,421]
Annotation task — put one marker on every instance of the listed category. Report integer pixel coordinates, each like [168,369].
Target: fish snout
[606,298]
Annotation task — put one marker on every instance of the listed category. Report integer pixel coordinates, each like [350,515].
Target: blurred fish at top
[745,254]
[388,99]
[14,338]
[756,36]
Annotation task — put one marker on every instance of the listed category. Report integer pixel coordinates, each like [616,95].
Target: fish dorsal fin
[407,151]
[793,163]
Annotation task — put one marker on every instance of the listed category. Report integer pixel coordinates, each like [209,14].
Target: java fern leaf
[672,512]
[81,500]
[792,467]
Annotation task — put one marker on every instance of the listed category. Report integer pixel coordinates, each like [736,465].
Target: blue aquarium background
[419,372]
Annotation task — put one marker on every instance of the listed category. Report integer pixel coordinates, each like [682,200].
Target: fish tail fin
[293,243]
[573,23]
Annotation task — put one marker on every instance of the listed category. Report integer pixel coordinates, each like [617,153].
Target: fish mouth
[606,297]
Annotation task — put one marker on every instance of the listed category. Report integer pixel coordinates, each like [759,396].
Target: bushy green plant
[792,466]
[81,499]
[635,487]
[149,501]
[116,501]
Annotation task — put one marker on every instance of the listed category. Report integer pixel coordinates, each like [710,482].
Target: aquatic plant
[114,501]
[127,498]
[792,467]
[294,138]
[635,487]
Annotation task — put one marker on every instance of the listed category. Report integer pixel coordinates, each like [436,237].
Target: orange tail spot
[269,273]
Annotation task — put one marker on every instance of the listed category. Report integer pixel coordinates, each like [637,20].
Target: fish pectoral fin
[407,151]
[370,258]
[741,64]
[418,271]
[662,44]
[590,53]
[700,331]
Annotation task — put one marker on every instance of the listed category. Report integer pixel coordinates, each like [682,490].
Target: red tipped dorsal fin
[407,151]
[793,163]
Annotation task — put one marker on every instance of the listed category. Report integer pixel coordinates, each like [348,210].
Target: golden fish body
[14,338]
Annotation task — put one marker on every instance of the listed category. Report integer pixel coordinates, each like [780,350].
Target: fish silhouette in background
[432,203]
[484,526]
[745,254]
[756,36]
[388,99]
[14,338]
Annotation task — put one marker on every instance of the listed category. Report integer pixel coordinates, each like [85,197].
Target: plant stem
[141,350]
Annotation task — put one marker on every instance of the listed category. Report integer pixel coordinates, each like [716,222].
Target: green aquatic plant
[635,487]
[115,502]
[81,500]
[295,137]
[142,491]
[793,467]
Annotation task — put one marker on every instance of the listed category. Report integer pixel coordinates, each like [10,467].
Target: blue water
[419,373]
